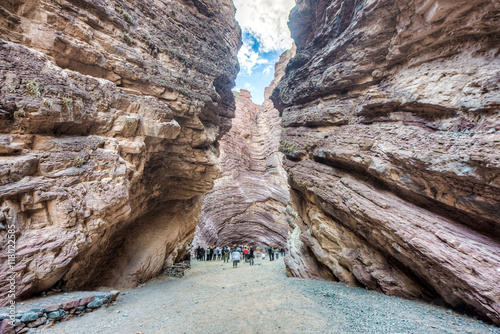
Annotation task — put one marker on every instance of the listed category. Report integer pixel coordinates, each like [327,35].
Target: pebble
[28,317]
[56,314]
[95,303]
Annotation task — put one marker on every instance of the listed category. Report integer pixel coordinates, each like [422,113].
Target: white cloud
[248,58]
[265,35]
[267,21]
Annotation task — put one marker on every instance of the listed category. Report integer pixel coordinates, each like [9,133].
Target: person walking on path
[245,254]
[225,254]
[236,257]
[258,255]
[276,253]
[270,253]
[251,256]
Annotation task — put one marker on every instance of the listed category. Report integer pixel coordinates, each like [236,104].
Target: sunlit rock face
[391,130]
[110,112]
[247,204]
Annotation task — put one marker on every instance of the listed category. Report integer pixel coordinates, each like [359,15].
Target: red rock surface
[392,140]
[110,112]
[247,204]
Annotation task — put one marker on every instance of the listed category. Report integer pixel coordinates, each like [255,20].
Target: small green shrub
[47,103]
[127,17]
[165,83]
[172,12]
[302,183]
[67,102]
[186,38]
[185,91]
[19,113]
[286,147]
[33,88]
[128,39]
[11,89]
[181,57]
[78,161]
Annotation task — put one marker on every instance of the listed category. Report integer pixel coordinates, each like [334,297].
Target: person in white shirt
[258,255]
[236,257]
[217,253]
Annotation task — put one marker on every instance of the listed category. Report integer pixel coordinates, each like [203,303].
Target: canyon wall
[391,121]
[110,112]
[248,203]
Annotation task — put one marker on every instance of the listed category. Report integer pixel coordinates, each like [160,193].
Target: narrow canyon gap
[248,203]
[118,135]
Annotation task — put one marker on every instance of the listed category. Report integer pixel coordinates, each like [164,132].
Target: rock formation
[247,204]
[391,132]
[110,114]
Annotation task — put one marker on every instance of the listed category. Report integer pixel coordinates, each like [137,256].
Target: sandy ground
[215,298]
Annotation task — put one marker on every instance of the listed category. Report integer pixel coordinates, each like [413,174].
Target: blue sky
[265,36]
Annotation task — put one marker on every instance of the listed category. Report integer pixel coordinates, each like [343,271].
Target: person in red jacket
[245,252]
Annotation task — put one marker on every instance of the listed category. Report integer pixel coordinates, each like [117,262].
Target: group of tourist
[250,254]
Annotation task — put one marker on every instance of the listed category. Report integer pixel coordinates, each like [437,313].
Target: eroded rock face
[110,114]
[392,140]
[247,204]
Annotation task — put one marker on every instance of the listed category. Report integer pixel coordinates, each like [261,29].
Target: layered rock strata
[248,203]
[392,138]
[110,114]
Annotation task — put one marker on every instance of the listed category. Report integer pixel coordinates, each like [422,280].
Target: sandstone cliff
[392,138]
[110,112]
[247,204]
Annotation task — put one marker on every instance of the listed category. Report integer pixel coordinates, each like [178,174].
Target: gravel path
[215,298]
